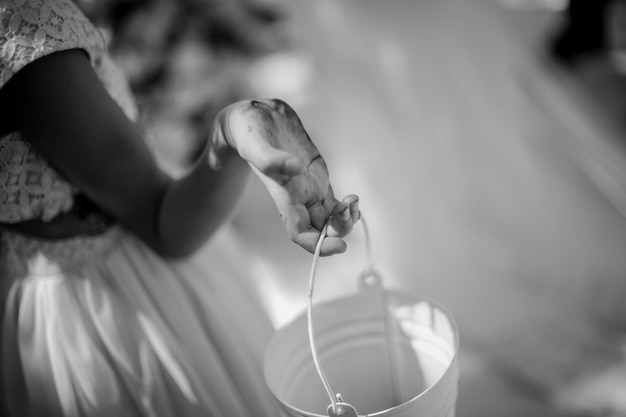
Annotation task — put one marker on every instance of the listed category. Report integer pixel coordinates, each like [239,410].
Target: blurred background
[485,138]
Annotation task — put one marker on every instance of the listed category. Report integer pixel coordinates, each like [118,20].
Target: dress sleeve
[31,29]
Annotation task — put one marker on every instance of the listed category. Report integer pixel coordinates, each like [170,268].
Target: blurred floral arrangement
[187,59]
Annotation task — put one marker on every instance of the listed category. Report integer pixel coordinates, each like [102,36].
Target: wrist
[221,145]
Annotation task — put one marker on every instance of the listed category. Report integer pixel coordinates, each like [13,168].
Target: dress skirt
[102,326]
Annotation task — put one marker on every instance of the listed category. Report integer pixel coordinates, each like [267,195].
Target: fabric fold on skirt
[109,328]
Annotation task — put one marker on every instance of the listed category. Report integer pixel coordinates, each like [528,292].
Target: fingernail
[351,199]
[344,214]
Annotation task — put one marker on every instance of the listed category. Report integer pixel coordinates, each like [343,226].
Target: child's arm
[60,106]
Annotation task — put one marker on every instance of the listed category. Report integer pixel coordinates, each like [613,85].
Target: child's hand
[269,135]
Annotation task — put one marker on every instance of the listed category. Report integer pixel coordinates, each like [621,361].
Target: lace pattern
[29,29]
[29,187]
[24,256]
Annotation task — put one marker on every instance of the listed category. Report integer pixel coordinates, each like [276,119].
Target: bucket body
[388,353]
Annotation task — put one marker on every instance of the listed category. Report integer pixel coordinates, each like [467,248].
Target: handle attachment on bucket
[369,278]
[342,409]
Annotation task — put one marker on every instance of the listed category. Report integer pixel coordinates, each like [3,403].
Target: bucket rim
[450,369]
[453,368]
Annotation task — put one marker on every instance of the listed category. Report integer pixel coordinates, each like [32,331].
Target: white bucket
[387,352]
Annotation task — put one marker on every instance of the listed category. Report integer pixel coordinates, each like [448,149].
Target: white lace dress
[101,326]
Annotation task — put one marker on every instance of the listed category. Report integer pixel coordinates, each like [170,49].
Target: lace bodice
[30,29]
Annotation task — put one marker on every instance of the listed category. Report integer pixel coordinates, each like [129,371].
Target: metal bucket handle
[369,278]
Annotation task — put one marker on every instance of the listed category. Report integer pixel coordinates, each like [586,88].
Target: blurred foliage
[186,59]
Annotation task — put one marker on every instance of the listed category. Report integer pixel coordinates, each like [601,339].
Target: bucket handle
[368,278]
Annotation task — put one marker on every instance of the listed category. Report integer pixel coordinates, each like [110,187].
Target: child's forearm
[194,206]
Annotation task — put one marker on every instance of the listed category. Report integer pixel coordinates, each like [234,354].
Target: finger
[303,233]
[340,221]
[296,219]
[330,246]
[344,216]
[355,213]
[329,203]
[352,200]
[333,246]
[307,239]
[318,214]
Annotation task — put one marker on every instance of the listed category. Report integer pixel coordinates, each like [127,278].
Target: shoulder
[31,29]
